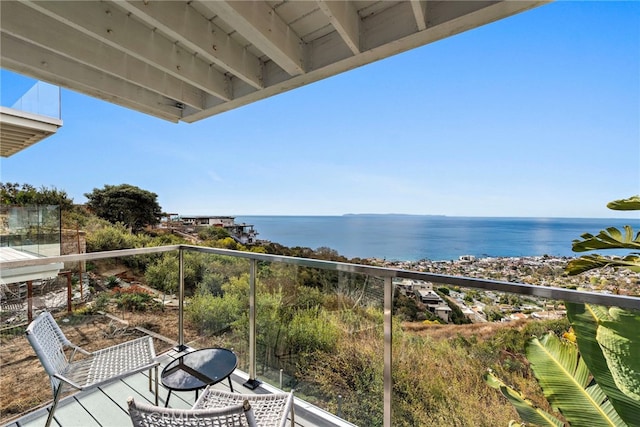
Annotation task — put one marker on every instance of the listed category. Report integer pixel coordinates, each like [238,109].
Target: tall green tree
[125,203]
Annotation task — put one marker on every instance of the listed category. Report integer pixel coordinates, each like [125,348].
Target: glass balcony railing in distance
[33,229]
[42,99]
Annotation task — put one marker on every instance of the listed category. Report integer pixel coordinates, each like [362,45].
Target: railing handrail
[548,292]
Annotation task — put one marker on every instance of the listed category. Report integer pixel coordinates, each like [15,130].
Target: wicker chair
[144,415]
[270,410]
[95,369]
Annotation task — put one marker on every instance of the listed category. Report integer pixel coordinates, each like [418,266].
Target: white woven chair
[145,415]
[95,369]
[270,410]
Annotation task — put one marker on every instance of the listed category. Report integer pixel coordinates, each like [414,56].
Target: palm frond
[565,381]
[630,204]
[618,337]
[611,238]
[526,409]
[586,321]
[595,261]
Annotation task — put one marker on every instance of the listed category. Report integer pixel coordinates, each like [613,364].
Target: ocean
[416,237]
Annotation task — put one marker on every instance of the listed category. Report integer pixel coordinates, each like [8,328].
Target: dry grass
[479,330]
[23,383]
[442,380]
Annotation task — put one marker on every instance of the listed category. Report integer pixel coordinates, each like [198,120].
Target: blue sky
[536,115]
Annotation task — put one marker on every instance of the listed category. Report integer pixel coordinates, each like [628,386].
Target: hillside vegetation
[323,329]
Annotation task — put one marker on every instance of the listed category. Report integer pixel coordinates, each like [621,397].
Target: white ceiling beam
[384,40]
[182,22]
[257,22]
[125,35]
[109,24]
[28,24]
[31,60]
[419,8]
[345,19]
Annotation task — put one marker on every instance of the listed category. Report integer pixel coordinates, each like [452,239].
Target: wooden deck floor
[107,406]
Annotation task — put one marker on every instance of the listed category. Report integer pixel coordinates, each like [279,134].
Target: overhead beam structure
[186,60]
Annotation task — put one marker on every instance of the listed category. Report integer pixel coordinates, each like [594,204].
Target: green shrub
[213,233]
[213,314]
[134,298]
[102,301]
[444,290]
[110,238]
[85,310]
[112,282]
[312,330]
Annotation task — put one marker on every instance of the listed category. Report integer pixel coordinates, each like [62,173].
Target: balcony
[32,118]
[262,306]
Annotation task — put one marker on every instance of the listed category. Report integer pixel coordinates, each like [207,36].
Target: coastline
[535,270]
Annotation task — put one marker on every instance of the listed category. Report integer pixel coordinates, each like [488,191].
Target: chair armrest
[77,349]
[82,350]
[68,381]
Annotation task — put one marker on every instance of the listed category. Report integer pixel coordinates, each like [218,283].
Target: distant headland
[393,215]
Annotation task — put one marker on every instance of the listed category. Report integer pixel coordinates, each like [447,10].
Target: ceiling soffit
[189,60]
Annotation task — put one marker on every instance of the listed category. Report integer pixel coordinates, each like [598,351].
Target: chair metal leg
[156,369]
[56,398]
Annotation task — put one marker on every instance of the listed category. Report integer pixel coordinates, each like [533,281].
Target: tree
[128,204]
[12,193]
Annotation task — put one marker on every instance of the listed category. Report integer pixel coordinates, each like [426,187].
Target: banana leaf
[630,204]
[620,342]
[593,324]
[526,409]
[590,262]
[611,238]
[566,383]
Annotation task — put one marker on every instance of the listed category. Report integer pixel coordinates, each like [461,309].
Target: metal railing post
[29,301]
[181,346]
[252,382]
[388,349]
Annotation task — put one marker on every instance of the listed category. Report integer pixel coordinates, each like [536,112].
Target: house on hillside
[242,233]
[424,293]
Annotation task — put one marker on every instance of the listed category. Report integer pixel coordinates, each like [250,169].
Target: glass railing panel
[320,332]
[33,229]
[217,303]
[128,291]
[440,368]
[42,99]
